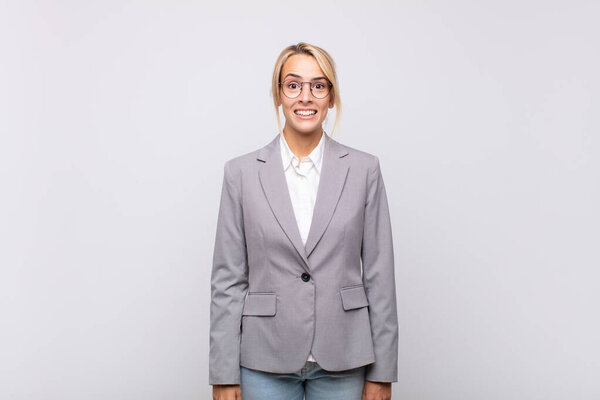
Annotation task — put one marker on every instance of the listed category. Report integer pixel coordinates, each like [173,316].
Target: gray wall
[116,118]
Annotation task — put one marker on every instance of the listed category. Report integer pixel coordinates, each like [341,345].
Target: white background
[116,118]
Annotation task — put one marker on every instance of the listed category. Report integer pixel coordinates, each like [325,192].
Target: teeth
[302,112]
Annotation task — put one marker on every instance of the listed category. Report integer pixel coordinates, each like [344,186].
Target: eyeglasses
[318,88]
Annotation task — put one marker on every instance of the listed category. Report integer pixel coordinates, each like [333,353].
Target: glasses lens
[320,88]
[291,88]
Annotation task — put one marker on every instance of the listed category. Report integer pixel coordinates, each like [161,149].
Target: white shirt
[302,178]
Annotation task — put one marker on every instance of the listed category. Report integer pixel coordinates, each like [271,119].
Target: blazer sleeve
[229,284]
[378,277]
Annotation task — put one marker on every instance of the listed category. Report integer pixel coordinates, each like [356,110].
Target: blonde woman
[303,298]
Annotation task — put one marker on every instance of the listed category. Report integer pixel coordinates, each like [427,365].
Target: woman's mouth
[305,114]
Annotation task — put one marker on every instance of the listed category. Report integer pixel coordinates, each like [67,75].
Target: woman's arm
[378,277]
[229,284]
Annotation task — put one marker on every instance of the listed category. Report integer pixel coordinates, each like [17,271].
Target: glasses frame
[329,84]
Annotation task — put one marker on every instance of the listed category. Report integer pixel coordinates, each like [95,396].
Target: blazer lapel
[272,179]
[331,182]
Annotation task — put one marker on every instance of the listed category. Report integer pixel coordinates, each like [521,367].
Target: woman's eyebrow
[299,77]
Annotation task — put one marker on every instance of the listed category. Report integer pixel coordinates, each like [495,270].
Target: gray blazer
[275,299]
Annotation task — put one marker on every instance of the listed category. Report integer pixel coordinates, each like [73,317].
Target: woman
[303,291]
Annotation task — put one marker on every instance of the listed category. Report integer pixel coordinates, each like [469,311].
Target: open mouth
[305,113]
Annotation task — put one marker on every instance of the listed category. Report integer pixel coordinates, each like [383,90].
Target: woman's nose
[305,94]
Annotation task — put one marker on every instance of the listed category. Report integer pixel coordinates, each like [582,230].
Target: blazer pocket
[260,304]
[354,297]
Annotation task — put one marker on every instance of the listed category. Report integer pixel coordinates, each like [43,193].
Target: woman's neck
[302,144]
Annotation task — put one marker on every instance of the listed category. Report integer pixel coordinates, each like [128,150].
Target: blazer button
[305,277]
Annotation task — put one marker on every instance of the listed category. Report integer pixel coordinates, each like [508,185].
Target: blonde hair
[325,63]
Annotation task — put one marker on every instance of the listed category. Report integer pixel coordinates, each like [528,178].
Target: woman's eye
[292,85]
[319,86]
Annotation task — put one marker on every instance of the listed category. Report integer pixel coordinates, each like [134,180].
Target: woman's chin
[305,129]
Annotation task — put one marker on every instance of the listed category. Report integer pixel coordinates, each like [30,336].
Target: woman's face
[303,68]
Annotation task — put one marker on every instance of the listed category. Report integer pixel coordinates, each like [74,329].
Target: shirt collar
[316,155]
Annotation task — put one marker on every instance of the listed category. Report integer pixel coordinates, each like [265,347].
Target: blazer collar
[331,182]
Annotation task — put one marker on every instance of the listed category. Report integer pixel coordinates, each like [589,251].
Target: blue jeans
[312,381]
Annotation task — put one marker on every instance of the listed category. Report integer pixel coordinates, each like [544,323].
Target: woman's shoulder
[359,158]
[247,160]
[242,161]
